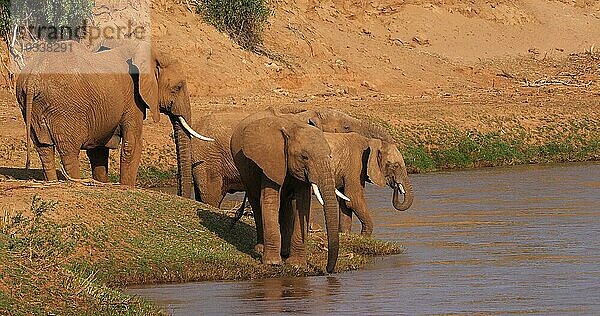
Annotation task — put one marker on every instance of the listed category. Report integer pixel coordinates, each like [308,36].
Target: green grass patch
[434,148]
[148,177]
[73,256]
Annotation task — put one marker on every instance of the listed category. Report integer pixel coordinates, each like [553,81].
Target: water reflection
[492,241]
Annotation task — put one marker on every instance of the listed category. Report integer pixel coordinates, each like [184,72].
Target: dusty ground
[427,69]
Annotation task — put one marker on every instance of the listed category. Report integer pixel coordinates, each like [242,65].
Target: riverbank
[434,132]
[69,248]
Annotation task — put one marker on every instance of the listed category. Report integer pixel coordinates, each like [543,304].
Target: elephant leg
[99,162]
[70,161]
[199,177]
[286,221]
[239,213]
[256,212]
[359,207]
[269,202]
[46,154]
[345,218]
[301,213]
[313,226]
[131,153]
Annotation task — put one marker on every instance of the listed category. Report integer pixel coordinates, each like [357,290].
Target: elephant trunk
[405,186]
[184,158]
[331,210]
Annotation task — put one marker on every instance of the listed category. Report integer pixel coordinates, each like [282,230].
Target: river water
[522,240]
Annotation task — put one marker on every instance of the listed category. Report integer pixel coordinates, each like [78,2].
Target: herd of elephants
[279,157]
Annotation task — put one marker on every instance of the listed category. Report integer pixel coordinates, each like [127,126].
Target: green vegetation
[4,17]
[148,177]
[449,148]
[67,13]
[243,20]
[72,256]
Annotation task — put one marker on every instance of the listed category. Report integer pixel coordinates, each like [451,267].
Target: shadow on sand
[22,174]
[242,235]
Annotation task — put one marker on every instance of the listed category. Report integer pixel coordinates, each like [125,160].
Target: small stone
[273,66]
[369,85]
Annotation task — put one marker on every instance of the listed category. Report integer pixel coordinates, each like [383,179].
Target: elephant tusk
[401,188]
[318,193]
[342,196]
[193,132]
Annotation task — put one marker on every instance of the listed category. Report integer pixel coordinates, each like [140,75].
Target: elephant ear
[373,166]
[265,143]
[316,120]
[148,70]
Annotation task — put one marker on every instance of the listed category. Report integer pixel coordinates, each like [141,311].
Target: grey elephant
[279,161]
[213,169]
[68,111]
[356,160]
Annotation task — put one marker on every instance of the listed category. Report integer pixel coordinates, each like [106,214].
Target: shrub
[4,17]
[62,13]
[243,20]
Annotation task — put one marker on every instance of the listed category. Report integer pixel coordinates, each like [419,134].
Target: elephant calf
[356,160]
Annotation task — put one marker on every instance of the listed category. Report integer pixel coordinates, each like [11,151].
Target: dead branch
[548,82]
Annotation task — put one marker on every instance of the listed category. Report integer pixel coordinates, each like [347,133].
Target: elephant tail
[28,105]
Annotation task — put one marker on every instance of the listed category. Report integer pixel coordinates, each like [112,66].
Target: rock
[273,66]
[369,85]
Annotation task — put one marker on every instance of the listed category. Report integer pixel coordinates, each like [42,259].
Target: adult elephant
[213,169]
[357,160]
[274,155]
[99,99]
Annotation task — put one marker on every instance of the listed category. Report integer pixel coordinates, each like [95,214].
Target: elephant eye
[177,88]
[304,155]
[347,128]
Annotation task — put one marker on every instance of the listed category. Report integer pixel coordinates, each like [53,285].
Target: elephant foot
[297,261]
[260,248]
[273,260]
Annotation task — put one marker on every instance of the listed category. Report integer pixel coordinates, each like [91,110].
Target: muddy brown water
[518,240]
